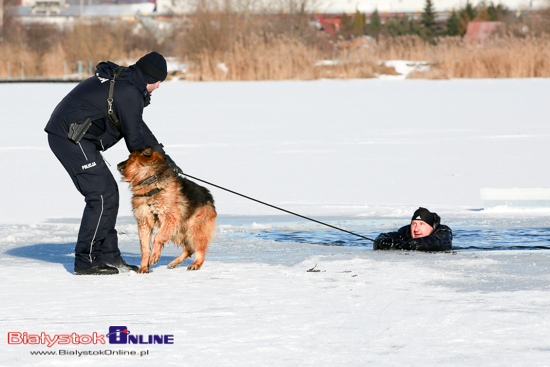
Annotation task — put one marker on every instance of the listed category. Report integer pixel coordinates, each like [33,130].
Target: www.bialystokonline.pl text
[84,353]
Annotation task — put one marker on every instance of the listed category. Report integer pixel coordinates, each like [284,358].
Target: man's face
[152,87]
[419,228]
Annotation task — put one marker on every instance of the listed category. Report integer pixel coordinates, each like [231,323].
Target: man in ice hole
[425,233]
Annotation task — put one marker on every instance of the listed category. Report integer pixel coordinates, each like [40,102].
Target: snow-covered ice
[358,154]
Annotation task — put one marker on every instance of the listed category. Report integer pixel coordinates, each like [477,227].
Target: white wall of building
[174,6]
[368,6]
[351,6]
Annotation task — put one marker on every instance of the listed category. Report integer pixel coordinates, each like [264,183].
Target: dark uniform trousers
[97,237]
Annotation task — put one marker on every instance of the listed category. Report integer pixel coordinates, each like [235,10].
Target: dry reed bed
[284,58]
[506,57]
[45,50]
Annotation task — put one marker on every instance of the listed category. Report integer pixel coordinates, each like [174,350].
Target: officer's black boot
[101,269]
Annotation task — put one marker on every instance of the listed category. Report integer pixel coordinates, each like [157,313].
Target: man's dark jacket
[439,240]
[89,100]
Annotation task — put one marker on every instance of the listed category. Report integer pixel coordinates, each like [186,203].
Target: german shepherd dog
[182,210]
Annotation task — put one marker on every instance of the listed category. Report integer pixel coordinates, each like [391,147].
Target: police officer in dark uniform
[93,117]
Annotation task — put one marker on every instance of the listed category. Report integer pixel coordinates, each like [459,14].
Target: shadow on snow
[59,253]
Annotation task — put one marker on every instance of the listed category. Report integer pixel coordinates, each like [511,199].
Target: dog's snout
[120,167]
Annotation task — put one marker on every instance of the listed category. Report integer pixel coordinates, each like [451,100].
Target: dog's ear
[148,151]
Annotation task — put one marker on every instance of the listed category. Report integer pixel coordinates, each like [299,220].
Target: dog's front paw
[143,270]
[194,267]
[174,264]
[154,259]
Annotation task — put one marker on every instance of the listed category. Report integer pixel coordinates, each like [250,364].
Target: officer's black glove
[173,165]
[159,148]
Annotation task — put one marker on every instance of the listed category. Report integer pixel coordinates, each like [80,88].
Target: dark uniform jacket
[439,240]
[89,100]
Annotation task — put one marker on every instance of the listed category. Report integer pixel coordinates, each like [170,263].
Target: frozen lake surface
[254,299]
[359,154]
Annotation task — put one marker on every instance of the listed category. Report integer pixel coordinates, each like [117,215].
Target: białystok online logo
[117,335]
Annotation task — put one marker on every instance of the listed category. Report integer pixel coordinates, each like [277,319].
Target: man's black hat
[425,215]
[154,67]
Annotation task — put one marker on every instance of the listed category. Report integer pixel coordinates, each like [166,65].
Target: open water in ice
[496,235]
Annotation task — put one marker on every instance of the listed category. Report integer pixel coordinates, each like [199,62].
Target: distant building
[174,7]
[480,32]
[60,12]
[49,7]
[67,11]
[411,6]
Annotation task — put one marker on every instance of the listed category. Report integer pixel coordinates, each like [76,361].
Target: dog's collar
[152,179]
[148,180]
[150,193]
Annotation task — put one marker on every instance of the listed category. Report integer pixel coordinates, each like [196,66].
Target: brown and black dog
[182,210]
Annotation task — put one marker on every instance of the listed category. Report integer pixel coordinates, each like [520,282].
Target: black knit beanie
[425,215]
[154,67]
